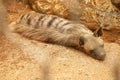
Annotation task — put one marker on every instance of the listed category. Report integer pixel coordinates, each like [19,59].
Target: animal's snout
[98,53]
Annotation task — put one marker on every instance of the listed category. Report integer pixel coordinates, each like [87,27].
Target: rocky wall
[90,12]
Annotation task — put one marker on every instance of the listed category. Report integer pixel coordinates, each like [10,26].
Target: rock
[92,13]
[23,59]
[49,7]
[116,3]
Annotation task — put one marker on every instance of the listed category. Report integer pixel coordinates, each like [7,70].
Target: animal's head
[93,44]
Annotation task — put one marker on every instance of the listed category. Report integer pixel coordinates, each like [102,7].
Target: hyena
[53,29]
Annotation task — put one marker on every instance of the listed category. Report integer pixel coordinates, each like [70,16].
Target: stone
[92,13]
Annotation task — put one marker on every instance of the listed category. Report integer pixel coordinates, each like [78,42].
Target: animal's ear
[81,41]
[98,32]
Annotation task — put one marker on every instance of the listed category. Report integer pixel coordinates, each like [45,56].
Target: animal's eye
[81,41]
[92,51]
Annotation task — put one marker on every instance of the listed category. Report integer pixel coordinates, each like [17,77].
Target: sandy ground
[23,59]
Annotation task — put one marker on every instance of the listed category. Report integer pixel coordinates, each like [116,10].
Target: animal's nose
[101,55]
[98,53]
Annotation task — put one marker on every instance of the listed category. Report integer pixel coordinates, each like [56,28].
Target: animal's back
[37,20]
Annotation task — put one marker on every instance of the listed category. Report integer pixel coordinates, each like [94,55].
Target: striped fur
[53,29]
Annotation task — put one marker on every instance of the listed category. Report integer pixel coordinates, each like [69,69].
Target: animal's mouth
[98,53]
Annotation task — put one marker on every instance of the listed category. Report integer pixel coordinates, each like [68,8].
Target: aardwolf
[53,29]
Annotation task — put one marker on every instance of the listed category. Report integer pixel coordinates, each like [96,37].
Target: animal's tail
[45,35]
